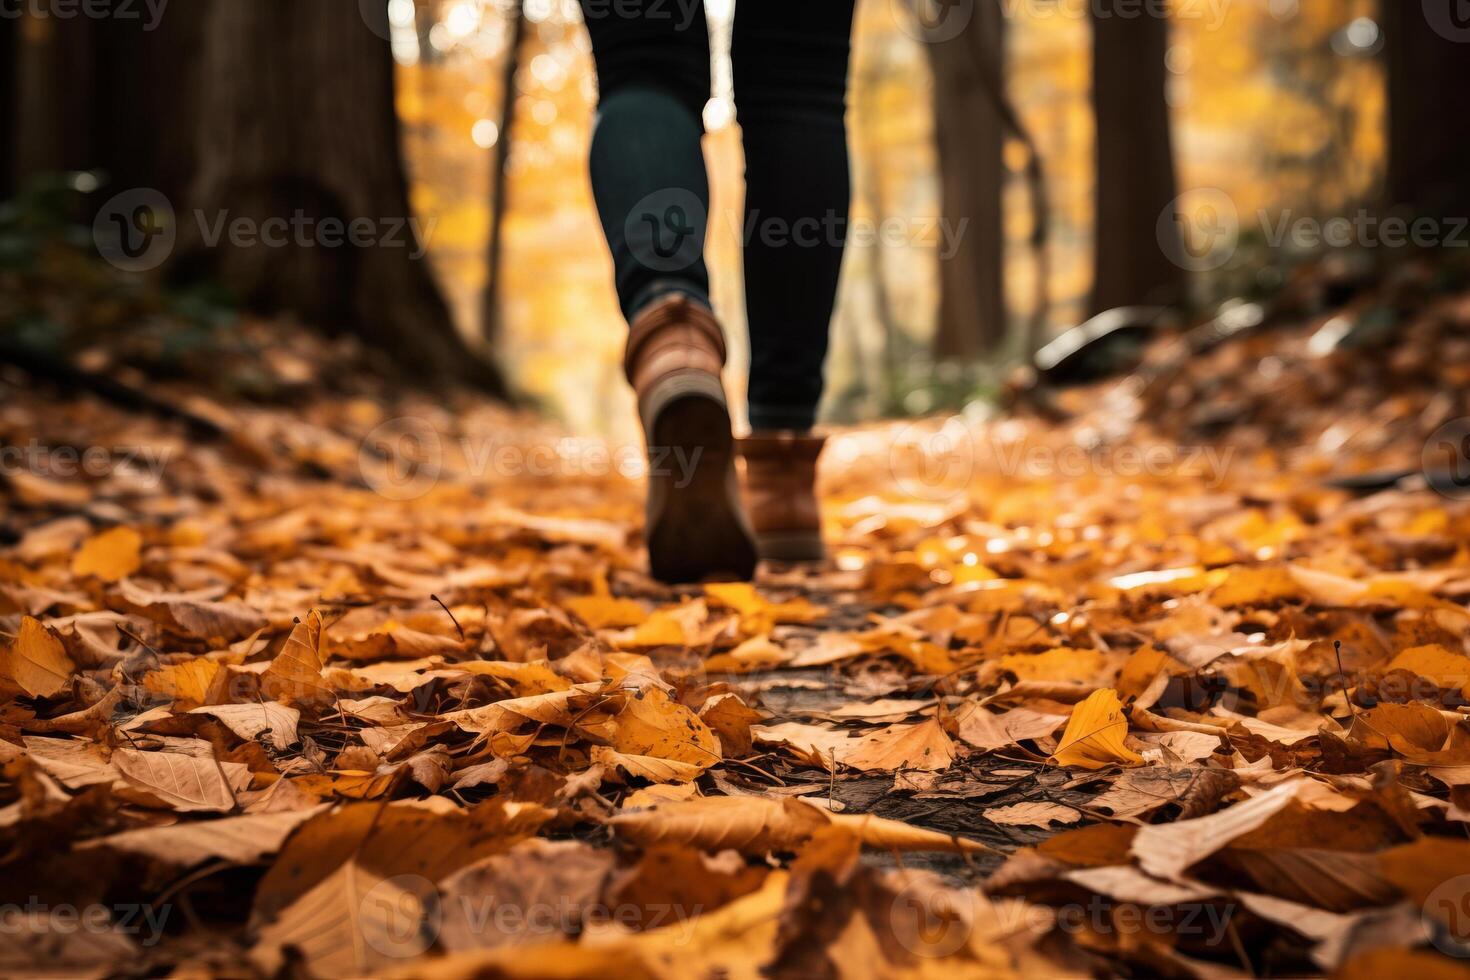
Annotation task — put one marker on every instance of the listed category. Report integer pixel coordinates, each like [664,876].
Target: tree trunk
[8,102]
[969,135]
[1135,165]
[113,94]
[499,155]
[1428,59]
[301,196]
[54,80]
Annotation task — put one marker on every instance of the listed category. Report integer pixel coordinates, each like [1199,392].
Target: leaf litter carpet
[303,690]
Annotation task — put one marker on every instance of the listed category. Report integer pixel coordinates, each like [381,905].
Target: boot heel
[790,546]
[696,526]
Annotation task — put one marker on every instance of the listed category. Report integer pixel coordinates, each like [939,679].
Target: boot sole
[791,546]
[696,526]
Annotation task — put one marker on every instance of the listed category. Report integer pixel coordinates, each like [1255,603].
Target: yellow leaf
[110,556]
[188,681]
[1095,733]
[606,612]
[1063,664]
[650,724]
[37,662]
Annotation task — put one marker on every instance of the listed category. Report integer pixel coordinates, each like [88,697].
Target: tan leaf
[1031,814]
[1168,850]
[184,782]
[240,840]
[73,762]
[352,923]
[811,744]
[296,672]
[430,839]
[647,767]
[190,614]
[921,746]
[250,720]
[533,875]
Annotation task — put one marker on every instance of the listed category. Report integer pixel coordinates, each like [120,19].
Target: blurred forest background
[1276,103]
[1028,166]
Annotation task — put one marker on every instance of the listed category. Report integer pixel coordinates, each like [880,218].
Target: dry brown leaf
[1168,850]
[354,922]
[239,840]
[922,746]
[1031,814]
[759,824]
[647,767]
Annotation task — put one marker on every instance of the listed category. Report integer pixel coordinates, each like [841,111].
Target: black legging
[648,175]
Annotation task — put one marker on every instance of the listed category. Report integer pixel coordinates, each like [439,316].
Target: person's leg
[790,73]
[648,177]
[648,172]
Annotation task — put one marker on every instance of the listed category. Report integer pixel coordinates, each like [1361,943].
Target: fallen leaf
[110,556]
[36,662]
[1095,735]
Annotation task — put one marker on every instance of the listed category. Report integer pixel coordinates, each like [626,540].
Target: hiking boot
[695,525]
[780,491]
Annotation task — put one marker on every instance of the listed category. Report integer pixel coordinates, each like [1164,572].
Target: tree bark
[1427,51]
[54,105]
[8,103]
[1135,165]
[109,94]
[969,136]
[300,138]
[499,155]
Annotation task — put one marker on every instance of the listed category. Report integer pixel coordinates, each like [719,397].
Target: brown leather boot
[780,492]
[696,527]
